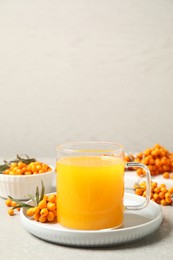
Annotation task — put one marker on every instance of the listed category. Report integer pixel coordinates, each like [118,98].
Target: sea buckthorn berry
[45,197]
[139,172]
[30,212]
[151,162]
[143,185]
[31,164]
[44,212]
[20,165]
[147,151]
[13,165]
[24,169]
[127,159]
[51,206]
[8,202]
[42,204]
[50,216]
[154,153]
[163,185]
[11,212]
[166,168]
[157,190]
[36,210]
[37,216]
[139,191]
[157,162]
[163,202]
[38,163]
[156,196]
[45,167]
[54,212]
[157,146]
[140,155]
[6,171]
[167,195]
[38,167]
[161,195]
[163,189]
[33,168]
[154,184]
[137,159]
[158,200]
[14,168]
[13,203]
[168,200]
[19,172]
[170,190]
[42,219]
[144,194]
[52,198]
[28,173]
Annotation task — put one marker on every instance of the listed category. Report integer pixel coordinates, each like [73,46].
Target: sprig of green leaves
[20,204]
[38,197]
[6,164]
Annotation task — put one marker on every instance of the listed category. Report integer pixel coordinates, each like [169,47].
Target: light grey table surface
[17,243]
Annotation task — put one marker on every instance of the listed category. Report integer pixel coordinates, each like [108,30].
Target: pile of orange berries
[158,159]
[45,211]
[21,168]
[12,204]
[159,193]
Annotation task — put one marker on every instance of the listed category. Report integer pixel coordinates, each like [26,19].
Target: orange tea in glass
[90,185]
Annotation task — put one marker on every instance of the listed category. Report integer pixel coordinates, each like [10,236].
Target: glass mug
[90,185]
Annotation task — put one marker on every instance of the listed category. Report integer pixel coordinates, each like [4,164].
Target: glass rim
[64,147]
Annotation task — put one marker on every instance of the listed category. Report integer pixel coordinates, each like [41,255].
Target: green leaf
[37,195]
[23,206]
[36,200]
[20,203]
[6,164]
[32,198]
[3,198]
[42,191]
[4,167]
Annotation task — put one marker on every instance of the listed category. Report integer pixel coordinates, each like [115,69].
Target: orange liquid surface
[90,192]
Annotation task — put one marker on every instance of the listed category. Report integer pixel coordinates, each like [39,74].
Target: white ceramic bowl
[21,186]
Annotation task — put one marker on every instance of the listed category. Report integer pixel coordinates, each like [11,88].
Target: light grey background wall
[85,70]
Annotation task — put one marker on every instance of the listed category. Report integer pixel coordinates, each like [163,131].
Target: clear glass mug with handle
[90,185]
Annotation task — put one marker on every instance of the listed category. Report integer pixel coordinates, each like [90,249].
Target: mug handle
[148,186]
